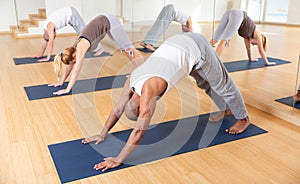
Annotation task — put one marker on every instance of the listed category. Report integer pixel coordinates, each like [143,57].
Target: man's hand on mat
[62,91]
[108,163]
[96,138]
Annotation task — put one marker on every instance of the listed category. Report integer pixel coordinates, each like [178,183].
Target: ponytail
[264,42]
[64,57]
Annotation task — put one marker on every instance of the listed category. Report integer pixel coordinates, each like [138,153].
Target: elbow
[137,136]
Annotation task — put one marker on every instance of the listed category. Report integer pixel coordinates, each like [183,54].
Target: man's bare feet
[99,52]
[147,46]
[220,115]
[296,97]
[239,127]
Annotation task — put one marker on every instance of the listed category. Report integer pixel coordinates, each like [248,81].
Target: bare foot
[99,52]
[147,46]
[220,115]
[239,126]
[134,55]
[296,97]
[213,42]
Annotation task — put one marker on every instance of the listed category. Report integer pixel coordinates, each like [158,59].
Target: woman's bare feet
[220,115]
[99,52]
[147,46]
[270,63]
[239,127]
[134,55]
[296,97]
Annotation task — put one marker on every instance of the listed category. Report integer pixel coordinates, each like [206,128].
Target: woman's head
[66,57]
[264,41]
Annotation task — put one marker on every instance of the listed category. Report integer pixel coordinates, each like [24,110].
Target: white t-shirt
[172,61]
[60,18]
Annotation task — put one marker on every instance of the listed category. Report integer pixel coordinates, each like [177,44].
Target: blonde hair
[264,42]
[64,57]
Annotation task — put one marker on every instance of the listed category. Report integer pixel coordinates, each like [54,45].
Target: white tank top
[60,18]
[172,61]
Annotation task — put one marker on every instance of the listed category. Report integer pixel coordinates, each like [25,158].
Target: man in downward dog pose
[168,14]
[179,56]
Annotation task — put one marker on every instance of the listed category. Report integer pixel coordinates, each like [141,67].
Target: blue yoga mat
[289,101]
[30,60]
[146,50]
[246,65]
[74,160]
[43,91]
[81,86]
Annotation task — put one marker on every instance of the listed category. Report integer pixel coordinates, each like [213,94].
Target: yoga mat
[246,65]
[74,160]
[146,50]
[289,101]
[30,60]
[81,86]
[43,91]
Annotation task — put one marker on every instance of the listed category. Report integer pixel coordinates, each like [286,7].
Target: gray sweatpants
[229,24]
[164,19]
[211,75]
[76,21]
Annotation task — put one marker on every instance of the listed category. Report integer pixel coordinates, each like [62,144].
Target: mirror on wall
[263,87]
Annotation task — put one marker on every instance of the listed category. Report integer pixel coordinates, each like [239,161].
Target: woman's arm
[258,37]
[81,49]
[248,48]
[50,44]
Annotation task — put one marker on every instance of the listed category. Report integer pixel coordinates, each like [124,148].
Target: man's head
[46,35]
[132,108]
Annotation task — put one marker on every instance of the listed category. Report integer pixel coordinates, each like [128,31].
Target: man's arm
[152,89]
[114,116]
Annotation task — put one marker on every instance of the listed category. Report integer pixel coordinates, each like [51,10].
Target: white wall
[7,15]
[28,7]
[92,8]
[293,13]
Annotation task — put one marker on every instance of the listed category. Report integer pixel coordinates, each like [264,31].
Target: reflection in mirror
[260,87]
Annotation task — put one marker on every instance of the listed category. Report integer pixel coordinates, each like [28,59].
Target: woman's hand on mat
[62,91]
[44,59]
[37,57]
[96,138]
[108,163]
[56,84]
[253,60]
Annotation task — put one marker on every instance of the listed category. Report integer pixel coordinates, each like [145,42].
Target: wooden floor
[27,127]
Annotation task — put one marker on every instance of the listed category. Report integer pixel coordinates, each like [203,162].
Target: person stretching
[87,41]
[179,56]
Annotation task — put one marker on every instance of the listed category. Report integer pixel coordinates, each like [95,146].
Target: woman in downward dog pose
[87,41]
[237,20]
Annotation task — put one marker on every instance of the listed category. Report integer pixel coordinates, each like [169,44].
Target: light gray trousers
[164,19]
[212,76]
[229,24]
